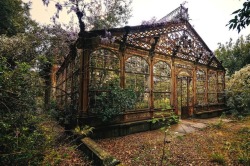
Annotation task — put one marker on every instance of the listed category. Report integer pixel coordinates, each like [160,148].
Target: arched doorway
[184,94]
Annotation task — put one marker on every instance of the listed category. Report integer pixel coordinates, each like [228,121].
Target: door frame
[184,111]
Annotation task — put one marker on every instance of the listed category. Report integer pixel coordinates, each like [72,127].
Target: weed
[180,137]
[218,158]
[218,125]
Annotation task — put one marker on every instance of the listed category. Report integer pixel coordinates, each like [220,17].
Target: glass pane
[162,100]
[162,80]
[162,69]
[142,101]
[221,97]
[136,64]
[220,77]
[212,87]
[104,69]
[200,86]
[100,79]
[137,78]
[212,98]
[162,84]
[104,59]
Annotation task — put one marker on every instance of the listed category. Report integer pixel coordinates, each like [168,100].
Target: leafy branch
[242,17]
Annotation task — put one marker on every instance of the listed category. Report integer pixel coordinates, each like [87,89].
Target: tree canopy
[14,16]
[234,55]
[242,17]
[96,14]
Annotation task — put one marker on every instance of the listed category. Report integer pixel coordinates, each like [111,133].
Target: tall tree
[96,14]
[14,17]
[241,18]
[234,55]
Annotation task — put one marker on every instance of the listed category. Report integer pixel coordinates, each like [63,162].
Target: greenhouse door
[183,96]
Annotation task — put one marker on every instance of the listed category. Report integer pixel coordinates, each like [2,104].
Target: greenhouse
[166,63]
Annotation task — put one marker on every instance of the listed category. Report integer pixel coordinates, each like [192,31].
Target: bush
[113,102]
[21,141]
[238,92]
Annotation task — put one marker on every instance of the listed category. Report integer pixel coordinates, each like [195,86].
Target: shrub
[238,92]
[22,142]
[113,102]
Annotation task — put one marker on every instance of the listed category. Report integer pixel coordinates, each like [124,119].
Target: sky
[209,17]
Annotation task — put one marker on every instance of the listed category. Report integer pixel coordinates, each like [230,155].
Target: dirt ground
[190,143]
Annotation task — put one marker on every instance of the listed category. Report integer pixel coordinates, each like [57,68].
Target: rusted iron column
[151,74]
[194,88]
[122,50]
[206,86]
[224,86]
[151,84]
[80,52]
[173,86]
[217,84]
[122,70]
[85,100]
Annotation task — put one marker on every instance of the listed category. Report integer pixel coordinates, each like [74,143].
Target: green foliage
[238,92]
[244,147]
[218,158]
[236,55]
[66,117]
[166,121]
[242,17]
[21,141]
[14,16]
[163,103]
[17,87]
[113,102]
[85,130]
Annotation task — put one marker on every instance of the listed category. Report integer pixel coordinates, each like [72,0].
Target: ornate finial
[183,3]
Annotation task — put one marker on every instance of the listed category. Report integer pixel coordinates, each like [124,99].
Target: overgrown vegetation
[27,54]
[234,54]
[113,102]
[238,92]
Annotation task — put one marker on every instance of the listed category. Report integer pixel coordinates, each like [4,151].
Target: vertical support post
[122,68]
[85,100]
[122,49]
[224,87]
[151,84]
[80,52]
[217,84]
[173,87]
[194,88]
[206,87]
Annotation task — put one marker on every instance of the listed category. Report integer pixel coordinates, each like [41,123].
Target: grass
[218,158]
